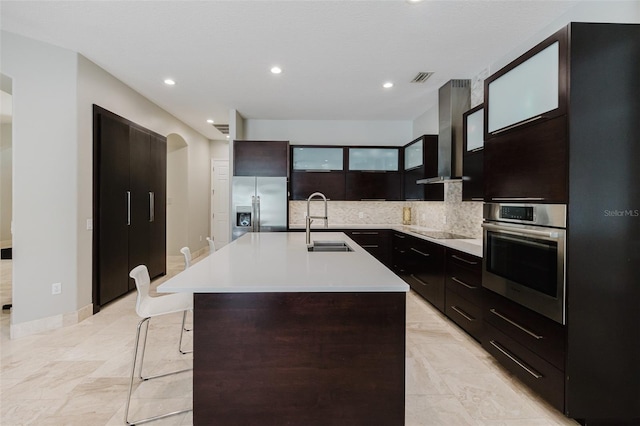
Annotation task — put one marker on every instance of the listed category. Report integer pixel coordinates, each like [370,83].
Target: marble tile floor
[78,375]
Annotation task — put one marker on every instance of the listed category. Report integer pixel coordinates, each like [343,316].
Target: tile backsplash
[451,215]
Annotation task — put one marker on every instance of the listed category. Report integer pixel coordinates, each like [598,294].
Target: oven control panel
[526,213]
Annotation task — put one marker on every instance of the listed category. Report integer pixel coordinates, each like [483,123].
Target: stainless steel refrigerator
[259,204]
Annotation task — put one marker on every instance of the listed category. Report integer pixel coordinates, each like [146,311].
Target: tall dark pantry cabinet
[129,199]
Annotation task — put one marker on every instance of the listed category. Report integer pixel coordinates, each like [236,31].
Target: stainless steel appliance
[524,255]
[259,204]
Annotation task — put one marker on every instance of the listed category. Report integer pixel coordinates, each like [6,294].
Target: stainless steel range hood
[454,98]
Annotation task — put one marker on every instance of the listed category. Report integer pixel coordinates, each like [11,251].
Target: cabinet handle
[477,198]
[318,170]
[369,246]
[373,199]
[419,252]
[464,260]
[461,312]
[413,199]
[471,287]
[152,206]
[426,284]
[515,324]
[515,359]
[128,208]
[363,233]
[517,199]
[399,236]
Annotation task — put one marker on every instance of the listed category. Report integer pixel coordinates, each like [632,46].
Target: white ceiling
[335,54]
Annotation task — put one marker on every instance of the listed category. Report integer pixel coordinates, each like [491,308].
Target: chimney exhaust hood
[454,98]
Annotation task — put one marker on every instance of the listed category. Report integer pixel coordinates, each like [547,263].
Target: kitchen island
[284,336]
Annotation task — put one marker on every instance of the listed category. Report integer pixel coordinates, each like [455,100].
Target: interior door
[112,218]
[139,187]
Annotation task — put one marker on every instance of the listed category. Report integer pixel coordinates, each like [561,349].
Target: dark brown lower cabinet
[129,204]
[375,241]
[299,359]
[527,344]
[463,296]
[421,264]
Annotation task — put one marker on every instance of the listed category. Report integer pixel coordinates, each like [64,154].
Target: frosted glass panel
[413,155]
[475,130]
[317,158]
[526,91]
[381,159]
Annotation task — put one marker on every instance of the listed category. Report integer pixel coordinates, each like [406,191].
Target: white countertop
[279,262]
[472,246]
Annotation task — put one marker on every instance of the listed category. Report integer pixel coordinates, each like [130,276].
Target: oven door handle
[521,232]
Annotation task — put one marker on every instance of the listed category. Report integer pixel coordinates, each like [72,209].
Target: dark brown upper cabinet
[260,158]
[421,161]
[525,120]
[531,89]
[473,154]
[318,169]
[373,174]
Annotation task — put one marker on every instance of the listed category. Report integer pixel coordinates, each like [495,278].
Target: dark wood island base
[299,359]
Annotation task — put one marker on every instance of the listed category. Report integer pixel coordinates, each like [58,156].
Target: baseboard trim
[54,322]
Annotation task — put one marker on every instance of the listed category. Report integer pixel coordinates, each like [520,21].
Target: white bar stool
[148,307]
[212,245]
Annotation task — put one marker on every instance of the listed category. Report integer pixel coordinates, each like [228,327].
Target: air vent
[421,77]
[223,128]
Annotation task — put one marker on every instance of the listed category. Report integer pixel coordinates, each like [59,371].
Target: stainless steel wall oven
[524,255]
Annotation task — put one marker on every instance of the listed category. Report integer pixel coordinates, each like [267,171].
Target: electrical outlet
[56,288]
[444,220]
[89,224]
[360,215]
[200,237]
[424,216]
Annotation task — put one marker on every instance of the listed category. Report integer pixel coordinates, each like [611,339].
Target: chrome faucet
[310,218]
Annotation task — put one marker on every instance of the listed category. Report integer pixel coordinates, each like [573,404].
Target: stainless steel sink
[329,246]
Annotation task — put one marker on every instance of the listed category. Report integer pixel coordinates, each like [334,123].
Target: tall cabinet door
[157,206]
[112,215]
[139,142]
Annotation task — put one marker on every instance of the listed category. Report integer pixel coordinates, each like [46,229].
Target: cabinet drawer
[538,374]
[367,237]
[431,290]
[464,275]
[541,335]
[458,259]
[464,313]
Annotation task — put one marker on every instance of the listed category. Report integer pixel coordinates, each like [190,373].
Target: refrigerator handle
[256,209]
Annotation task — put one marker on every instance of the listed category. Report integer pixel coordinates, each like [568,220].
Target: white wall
[330,132]
[426,123]
[219,149]
[53,93]
[6,182]
[177,194]
[45,178]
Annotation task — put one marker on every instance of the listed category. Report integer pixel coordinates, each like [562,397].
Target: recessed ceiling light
[227,136]
[169,82]
[210,121]
[388,85]
[414,1]
[276,70]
